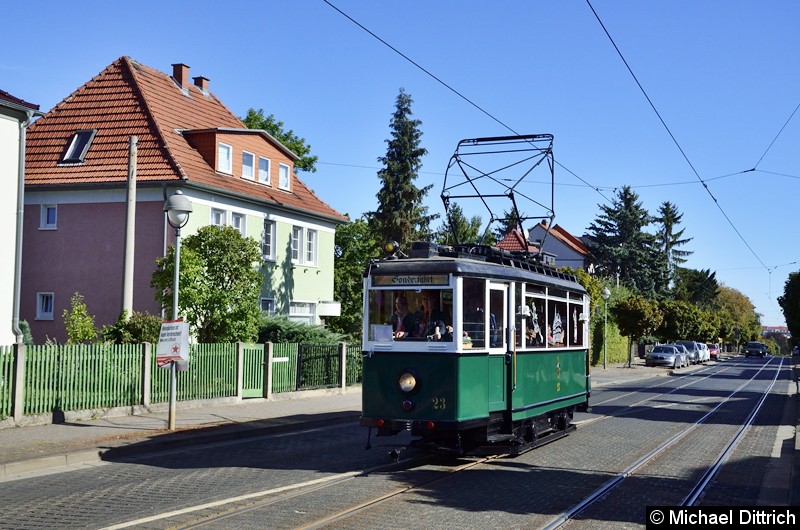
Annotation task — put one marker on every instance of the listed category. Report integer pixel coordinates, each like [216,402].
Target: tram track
[699,484]
[349,499]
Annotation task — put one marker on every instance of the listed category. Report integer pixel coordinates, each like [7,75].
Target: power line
[674,140]
[453,90]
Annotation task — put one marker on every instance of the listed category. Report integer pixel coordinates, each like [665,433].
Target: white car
[705,353]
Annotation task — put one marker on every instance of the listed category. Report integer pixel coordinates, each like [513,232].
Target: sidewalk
[41,447]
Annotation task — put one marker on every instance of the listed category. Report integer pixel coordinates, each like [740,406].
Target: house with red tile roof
[569,251]
[83,195]
[15,116]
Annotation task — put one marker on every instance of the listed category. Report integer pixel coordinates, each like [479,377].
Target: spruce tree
[400,215]
[622,247]
[670,239]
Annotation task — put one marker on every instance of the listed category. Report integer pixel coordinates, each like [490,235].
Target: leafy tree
[456,228]
[637,317]
[138,328]
[745,321]
[354,246]
[401,215]
[282,330]
[255,119]
[669,239]
[681,321]
[219,284]
[620,245]
[79,324]
[790,303]
[696,287]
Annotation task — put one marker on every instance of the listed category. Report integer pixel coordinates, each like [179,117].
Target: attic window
[78,146]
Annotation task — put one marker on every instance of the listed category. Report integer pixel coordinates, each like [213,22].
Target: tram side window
[535,323]
[557,322]
[575,329]
[474,315]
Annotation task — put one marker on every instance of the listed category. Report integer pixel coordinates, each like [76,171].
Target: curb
[186,437]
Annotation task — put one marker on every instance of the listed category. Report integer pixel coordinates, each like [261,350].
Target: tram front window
[412,315]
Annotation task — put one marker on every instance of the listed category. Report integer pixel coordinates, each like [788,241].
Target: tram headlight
[407,381]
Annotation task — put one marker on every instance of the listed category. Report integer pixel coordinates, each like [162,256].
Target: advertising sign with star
[173,343]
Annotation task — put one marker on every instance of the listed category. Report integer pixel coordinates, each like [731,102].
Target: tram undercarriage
[499,437]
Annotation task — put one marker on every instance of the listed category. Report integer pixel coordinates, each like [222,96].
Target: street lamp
[605,294]
[178,208]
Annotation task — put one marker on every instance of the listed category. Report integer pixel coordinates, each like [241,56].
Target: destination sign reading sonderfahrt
[411,279]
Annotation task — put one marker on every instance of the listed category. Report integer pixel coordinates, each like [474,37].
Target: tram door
[498,324]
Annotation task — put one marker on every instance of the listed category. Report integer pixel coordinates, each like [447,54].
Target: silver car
[665,355]
[692,349]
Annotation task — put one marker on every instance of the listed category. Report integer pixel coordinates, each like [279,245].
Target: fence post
[239,370]
[343,365]
[147,375]
[267,365]
[18,398]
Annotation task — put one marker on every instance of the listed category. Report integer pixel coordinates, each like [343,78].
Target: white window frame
[297,244]
[284,177]
[263,176]
[44,223]
[225,158]
[311,246]
[268,306]
[304,312]
[44,306]
[218,217]
[238,223]
[268,240]
[248,171]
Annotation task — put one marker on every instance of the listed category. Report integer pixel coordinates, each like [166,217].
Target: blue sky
[723,77]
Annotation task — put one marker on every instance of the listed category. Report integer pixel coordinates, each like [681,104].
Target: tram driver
[403,321]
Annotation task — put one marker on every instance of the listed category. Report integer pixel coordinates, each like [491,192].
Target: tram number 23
[439,403]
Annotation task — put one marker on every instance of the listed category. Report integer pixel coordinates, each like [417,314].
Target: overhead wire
[674,140]
[454,91]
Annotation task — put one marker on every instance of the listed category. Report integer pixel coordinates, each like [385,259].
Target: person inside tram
[474,321]
[403,321]
[432,323]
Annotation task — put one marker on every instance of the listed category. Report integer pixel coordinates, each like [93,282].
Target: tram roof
[478,260]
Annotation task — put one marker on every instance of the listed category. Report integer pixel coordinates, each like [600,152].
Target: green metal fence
[81,376]
[211,374]
[60,378]
[284,367]
[6,379]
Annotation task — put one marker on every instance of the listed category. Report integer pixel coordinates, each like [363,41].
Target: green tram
[504,368]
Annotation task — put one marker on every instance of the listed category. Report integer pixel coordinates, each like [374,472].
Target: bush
[25,328]
[282,330]
[140,327]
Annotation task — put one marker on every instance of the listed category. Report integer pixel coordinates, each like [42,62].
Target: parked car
[754,348]
[666,355]
[692,349]
[684,351]
[705,354]
[713,350]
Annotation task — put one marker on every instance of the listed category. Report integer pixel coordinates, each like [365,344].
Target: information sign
[173,343]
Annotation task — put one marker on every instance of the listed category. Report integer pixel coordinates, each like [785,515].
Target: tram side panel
[547,381]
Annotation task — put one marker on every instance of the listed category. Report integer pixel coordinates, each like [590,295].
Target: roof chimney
[201,83]
[180,73]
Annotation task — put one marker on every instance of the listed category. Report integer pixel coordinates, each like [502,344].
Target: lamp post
[177,208]
[605,294]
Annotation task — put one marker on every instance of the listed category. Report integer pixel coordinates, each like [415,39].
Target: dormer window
[78,146]
[225,158]
[283,177]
